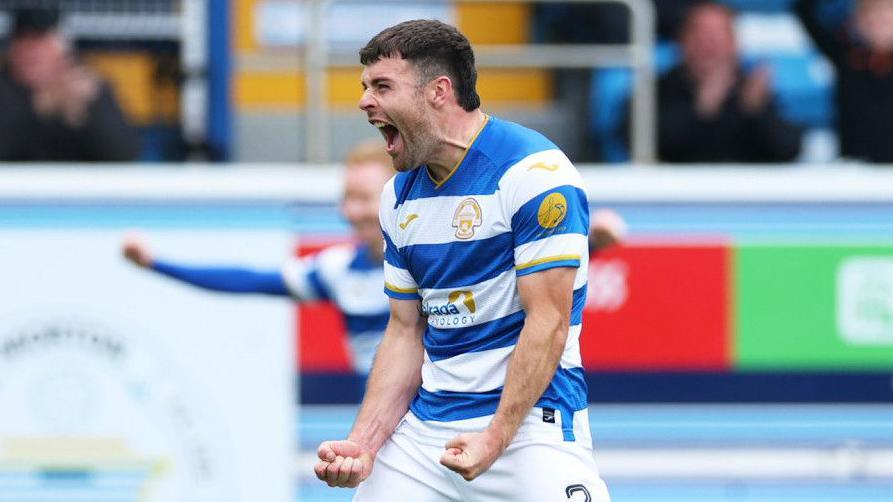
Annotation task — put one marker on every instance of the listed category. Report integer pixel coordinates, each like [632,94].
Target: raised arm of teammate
[395,379]
[606,228]
[220,278]
[546,297]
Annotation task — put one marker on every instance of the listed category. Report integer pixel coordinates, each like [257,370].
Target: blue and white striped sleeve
[304,279]
[314,278]
[399,283]
[549,211]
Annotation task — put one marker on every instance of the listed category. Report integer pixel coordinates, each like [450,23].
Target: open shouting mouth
[391,135]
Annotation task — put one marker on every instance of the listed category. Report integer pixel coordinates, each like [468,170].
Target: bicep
[549,292]
[406,318]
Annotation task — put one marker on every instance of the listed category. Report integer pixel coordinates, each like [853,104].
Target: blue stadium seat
[608,94]
[802,83]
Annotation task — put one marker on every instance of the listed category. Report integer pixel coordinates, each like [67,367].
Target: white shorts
[531,469]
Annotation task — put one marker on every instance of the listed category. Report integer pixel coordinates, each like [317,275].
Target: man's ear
[440,91]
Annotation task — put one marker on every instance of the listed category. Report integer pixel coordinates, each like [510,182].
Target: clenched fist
[343,463]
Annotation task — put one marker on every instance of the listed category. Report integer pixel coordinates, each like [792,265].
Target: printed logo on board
[467,217]
[865,300]
[70,381]
[608,285]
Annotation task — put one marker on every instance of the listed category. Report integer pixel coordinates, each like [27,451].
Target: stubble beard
[418,147]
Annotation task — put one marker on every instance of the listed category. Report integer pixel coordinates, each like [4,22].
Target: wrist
[363,443]
[498,436]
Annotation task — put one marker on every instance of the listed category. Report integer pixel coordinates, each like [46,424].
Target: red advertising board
[650,307]
[323,346]
[658,307]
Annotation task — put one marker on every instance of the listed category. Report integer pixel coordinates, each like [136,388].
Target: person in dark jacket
[709,109]
[51,107]
[861,49]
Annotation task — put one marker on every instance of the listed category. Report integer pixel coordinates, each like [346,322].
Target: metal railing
[181,21]
[637,55]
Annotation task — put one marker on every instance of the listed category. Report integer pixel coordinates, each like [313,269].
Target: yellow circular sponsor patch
[552,211]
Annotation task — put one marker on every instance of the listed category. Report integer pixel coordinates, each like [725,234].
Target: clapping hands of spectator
[68,93]
[713,89]
[756,90]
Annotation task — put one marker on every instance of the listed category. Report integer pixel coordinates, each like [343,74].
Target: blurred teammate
[861,51]
[348,275]
[479,374]
[52,108]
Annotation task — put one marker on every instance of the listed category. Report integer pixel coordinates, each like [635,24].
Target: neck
[455,138]
[376,250]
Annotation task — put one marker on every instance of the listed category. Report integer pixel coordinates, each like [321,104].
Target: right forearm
[395,379]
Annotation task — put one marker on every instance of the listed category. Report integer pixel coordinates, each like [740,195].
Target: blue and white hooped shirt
[347,276]
[514,205]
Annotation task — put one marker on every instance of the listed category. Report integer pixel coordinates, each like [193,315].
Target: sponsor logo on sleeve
[552,210]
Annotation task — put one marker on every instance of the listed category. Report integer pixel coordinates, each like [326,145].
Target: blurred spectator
[862,52]
[592,23]
[709,109]
[601,23]
[53,108]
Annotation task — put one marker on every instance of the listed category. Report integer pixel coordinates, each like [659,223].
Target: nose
[366,101]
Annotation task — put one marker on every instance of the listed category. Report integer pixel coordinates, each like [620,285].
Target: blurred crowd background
[738,342]
[768,81]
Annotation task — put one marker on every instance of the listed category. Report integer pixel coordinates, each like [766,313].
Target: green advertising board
[813,307]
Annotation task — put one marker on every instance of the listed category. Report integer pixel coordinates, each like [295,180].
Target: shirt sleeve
[398,282]
[227,279]
[304,279]
[549,213]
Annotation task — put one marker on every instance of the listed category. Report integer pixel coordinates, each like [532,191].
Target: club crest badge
[467,217]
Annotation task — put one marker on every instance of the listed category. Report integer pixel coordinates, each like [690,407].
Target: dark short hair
[34,20]
[697,6]
[435,49]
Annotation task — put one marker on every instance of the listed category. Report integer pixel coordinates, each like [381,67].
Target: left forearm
[532,366]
